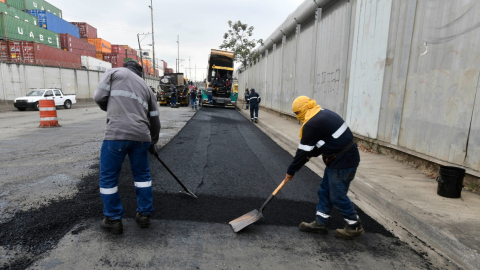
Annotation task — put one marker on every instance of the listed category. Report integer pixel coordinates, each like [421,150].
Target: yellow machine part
[224,68]
[235,88]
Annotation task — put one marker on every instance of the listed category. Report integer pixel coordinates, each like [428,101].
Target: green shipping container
[18,14]
[14,29]
[35,4]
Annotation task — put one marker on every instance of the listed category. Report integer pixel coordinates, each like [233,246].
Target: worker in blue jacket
[325,133]
[173,95]
[193,98]
[254,99]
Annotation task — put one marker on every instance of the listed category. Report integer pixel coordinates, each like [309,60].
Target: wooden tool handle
[280,187]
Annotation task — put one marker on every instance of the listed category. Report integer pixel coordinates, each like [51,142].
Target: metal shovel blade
[244,221]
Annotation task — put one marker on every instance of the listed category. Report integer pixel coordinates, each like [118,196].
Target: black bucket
[450,181]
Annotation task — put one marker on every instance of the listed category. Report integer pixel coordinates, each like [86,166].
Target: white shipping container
[92,63]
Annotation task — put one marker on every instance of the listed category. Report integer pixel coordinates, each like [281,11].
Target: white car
[32,98]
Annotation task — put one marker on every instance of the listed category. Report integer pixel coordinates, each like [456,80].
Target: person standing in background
[247,93]
[254,99]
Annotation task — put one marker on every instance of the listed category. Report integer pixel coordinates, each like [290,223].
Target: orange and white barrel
[48,114]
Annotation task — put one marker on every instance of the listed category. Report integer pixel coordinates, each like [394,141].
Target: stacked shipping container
[49,56]
[115,59]
[102,46]
[15,29]
[86,30]
[18,14]
[23,39]
[75,45]
[130,53]
[53,23]
[37,54]
[34,4]
[119,49]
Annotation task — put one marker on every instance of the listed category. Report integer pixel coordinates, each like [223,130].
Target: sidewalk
[400,198]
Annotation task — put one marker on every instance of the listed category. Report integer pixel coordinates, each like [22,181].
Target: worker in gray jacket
[133,128]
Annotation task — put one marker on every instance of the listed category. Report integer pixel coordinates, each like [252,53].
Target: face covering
[307,107]
[301,116]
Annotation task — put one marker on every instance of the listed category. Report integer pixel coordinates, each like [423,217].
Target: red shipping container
[135,57]
[120,50]
[21,52]
[4,54]
[72,44]
[49,56]
[18,52]
[38,54]
[131,53]
[86,30]
[115,59]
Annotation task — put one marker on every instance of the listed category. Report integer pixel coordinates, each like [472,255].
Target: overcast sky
[199,23]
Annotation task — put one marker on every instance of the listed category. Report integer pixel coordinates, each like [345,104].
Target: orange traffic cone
[48,114]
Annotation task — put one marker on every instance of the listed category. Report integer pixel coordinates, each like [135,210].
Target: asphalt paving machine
[219,81]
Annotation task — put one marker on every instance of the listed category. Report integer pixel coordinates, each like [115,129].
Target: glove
[152,150]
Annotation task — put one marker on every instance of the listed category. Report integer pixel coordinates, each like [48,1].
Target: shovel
[253,216]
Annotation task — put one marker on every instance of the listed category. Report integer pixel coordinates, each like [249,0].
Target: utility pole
[141,56]
[153,41]
[190,67]
[178,61]
[195,74]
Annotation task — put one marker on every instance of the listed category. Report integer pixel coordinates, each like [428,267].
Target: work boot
[314,227]
[114,226]
[251,119]
[142,220]
[256,120]
[350,231]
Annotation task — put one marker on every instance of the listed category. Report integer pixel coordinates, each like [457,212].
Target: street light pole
[153,41]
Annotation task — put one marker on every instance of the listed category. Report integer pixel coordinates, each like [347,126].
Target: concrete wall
[18,79]
[405,73]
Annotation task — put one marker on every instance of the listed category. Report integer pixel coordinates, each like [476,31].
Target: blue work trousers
[112,155]
[333,193]
[253,108]
[174,101]
[210,99]
[193,101]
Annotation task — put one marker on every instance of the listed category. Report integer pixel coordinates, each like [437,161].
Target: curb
[392,215]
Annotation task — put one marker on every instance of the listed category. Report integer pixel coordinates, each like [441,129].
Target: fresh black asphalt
[220,156]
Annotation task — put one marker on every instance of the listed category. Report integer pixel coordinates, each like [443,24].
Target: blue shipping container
[53,23]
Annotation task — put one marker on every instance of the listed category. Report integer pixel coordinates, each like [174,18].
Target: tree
[237,40]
